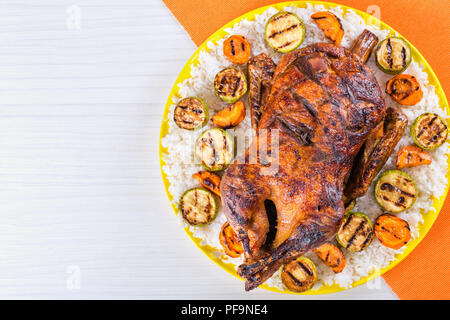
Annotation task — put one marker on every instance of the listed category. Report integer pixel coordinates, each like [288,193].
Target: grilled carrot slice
[404,89]
[392,231]
[330,25]
[230,116]
[229,241]
[237,49]
[412,156]
[332,256]
[209,180]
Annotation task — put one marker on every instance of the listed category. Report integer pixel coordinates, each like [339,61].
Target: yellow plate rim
[429,217]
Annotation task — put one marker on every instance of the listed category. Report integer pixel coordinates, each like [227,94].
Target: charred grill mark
[284,45]
[215,157]
[223,233]
[276,33]
[306,269]
[358,229]
[185,121]
[338,262]
[197,111]
[208,208]
[236,87]
[232,47]
[280,16]
[404,57]
[195,198]
[404,93]
[319,18]
[389,52]
[207,182]
[390,232]
[225,144]
[437,135]
[297,282]
[369,236]
[427,126]
[390,187]
[400,201]
[222,83]
[346,223]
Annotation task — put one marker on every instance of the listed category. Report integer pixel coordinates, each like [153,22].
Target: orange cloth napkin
[425,273]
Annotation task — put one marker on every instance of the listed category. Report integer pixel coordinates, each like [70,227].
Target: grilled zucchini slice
[215,149]
[198,206]
[191,113]
[299,275]
[230,84]
[284,31]
[429,131]
[393,55]
[356,232]
[395,191]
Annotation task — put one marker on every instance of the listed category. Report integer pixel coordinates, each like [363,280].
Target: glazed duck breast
[321,103]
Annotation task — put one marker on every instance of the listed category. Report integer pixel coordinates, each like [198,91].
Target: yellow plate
[429,217]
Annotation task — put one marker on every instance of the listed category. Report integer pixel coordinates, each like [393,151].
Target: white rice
[180,162]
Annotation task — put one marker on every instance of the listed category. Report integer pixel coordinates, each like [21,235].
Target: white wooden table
[83,211]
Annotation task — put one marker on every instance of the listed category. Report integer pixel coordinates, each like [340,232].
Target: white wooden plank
[80,183]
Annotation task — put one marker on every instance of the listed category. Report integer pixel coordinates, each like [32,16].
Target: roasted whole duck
[312,114]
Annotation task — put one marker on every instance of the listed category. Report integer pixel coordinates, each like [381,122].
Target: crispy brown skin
[260,72]
[374,154]
[364,44]
[324,102]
